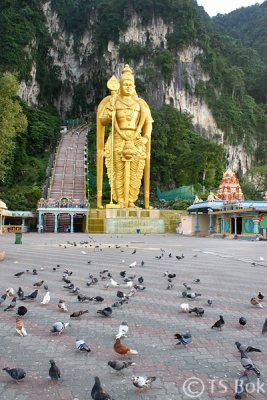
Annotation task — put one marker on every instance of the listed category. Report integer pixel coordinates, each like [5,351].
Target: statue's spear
[113,85]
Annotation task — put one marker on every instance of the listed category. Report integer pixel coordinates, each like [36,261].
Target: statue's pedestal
[132,220]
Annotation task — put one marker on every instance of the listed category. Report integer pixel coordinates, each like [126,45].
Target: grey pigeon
[98,393]
[58,327]
[248,364]
[54,372]
[264,328]
[242,386]
[12,305]
[242,321]
[16,373]
[199,311]
[31,296]
[120,365]
[184,338]
[20,293]
[2,299]
[106,312]
[82,346]
[245,348]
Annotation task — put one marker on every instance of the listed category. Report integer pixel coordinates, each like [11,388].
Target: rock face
[230,188]
[80,66]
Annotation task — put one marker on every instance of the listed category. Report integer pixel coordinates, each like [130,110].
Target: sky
[213,7]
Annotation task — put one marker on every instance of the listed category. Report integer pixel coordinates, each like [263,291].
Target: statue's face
[127,87]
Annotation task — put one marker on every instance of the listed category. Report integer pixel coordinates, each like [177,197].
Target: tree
[12,120]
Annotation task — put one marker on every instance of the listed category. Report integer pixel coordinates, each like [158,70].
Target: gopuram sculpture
[127,148]
[230,188]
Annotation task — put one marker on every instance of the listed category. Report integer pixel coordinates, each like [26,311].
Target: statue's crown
[127,74]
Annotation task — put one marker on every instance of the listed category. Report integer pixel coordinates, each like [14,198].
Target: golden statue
[127,149]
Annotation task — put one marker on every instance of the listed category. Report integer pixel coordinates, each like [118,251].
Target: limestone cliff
[80,65]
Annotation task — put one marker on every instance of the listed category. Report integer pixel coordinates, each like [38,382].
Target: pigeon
[171,276]
[54,372]
[98,393]
[112,283]
[20,293]
[134,251]
[31,296]
[106,312]
[92,281]
[218,324]
[140,279]
[199,311]
[97,299]
[34,271]
[82,346]
[242,321]
[192,295]
[188,287]
[16,373]
[20,327]
[77,314]
[210,302]
[120,365]
[21,311]
[69,286]
[123,274]
[184,307]
[45,286]
[18,274]
[123,329]
[62,306]
[139,288]
[142,263]
[3,299]
[170,286]
[10,292]
[76,290]
[133,264]
[245,348]
[170,255]
[59,327]
[12,305]
[241,387]
[264,328]
[197,280]
[143,382]
[46,298]
[121,295]
[81,298]
[184,339]
[120,348]
[260,296]
[255,302]
[38,284]
[248,364]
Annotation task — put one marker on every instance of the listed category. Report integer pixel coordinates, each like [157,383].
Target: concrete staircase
[67,178]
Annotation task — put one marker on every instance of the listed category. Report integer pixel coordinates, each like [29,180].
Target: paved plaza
[227,276]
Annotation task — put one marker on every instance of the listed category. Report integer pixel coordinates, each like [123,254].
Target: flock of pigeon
[127,286]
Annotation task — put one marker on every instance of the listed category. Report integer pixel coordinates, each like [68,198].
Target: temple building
[227,214]
[14,221]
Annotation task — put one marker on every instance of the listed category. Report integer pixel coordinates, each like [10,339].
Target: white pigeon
[123,261]
[112,283]
[129,284]
[143,382]
[123,329]
[46,298]
[133,264]
[261,258]
[10,292]
[184,307]
[83,252]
